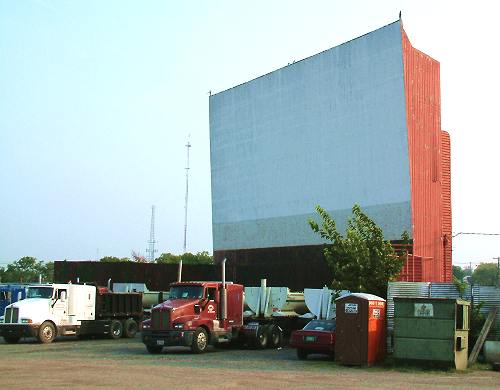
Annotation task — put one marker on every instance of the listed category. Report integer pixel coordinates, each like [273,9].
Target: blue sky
[97,100]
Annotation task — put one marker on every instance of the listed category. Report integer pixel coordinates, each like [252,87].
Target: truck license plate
[160,342]
[310,338]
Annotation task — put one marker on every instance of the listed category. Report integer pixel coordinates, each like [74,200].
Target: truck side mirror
[63,296]
[19,295]
[197,309]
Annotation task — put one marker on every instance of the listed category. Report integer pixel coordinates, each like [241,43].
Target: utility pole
[498,271]
[179,276]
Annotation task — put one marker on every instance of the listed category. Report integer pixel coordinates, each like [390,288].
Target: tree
[113,259]
[48,272]
[187,258]
[362,261]
[27,269]
[460,273]
[485,274]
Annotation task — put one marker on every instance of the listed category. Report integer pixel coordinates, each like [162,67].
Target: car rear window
[321,325]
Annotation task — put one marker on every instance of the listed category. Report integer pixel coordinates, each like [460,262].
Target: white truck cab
[48,310]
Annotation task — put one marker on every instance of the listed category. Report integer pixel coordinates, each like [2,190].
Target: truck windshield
[39,292]
[186,292]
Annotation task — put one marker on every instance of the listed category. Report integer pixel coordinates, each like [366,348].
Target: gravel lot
[71,363]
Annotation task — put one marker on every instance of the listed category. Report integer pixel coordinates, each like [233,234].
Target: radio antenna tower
[188,145]
[152,241]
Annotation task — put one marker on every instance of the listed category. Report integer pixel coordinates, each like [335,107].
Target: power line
[475,233]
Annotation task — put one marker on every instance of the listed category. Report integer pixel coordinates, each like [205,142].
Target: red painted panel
[446,184]
[423,114]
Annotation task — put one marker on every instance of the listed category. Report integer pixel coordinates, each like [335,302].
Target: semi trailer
[52,310]
[199,314]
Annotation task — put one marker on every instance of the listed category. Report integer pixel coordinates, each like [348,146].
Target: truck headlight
[26,321]
[145,326]
[178,326]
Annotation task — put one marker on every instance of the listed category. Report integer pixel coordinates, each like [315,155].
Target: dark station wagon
[318,336]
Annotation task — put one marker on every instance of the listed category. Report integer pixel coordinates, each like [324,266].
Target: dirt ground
[71,363]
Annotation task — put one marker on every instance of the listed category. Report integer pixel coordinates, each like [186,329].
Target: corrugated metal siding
[403,289]
[446,200]
[491,297]
[423,112]
[488,294]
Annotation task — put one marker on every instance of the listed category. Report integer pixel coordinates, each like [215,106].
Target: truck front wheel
[11,339]
[200,341]
[46,332]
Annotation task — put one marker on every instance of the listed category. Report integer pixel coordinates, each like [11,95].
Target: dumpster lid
[368,297]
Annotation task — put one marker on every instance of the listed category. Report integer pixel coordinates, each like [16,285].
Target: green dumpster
[432,330]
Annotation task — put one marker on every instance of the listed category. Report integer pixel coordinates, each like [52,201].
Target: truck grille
[11,315]
[160,319]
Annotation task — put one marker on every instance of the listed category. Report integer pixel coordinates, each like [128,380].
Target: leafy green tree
[25,270]
[485,274]
[362,261]
[113,259]
[167,258]
[458,272]
[187,258]
[48,272]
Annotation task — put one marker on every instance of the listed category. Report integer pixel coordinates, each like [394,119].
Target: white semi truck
[51,310]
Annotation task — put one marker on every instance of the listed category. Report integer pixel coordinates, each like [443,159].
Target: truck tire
[130,328]
[200,341]
[274,336]
[154,349]
[11,339]
[261,338]
[46,333]
[115,329]
[302,353]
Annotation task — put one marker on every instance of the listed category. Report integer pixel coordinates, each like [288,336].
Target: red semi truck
[198,314]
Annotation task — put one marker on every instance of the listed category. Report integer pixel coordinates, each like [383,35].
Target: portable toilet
[434,330]
[360,331]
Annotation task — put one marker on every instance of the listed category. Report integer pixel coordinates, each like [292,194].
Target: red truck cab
[195,316]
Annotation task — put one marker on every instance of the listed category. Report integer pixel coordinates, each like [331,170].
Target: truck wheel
[301,354]
[11,339]
[154,349]
[129,328]
[260,341]
[274,336]
[46,332]
[200,341]
[115,329]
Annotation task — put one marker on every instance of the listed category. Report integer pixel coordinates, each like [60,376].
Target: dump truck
[51,310]
[198,314]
